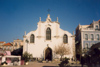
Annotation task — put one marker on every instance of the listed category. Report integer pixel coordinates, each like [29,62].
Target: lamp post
[90,58]
[27,44]
[82,59]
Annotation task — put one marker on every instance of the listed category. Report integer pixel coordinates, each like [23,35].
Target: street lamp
[99,48]
[90,58]
[83,55]
[27,44]
[82,59]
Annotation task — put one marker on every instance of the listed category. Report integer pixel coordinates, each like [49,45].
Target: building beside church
[7,47]
[41,42]
[17,44]
[1,43]
[86,36]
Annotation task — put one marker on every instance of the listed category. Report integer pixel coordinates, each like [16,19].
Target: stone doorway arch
[48,54]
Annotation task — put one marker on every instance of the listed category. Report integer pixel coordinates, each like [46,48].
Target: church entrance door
[48,54]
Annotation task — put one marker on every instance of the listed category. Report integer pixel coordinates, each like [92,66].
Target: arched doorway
[48,54]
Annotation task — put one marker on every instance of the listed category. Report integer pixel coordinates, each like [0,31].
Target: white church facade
[41,42]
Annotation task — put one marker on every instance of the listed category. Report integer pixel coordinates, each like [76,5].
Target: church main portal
[48,54]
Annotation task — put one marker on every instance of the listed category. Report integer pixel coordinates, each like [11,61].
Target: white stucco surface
[37,49]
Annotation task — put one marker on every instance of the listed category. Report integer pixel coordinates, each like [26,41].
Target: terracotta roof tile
[2,42]
[7,44]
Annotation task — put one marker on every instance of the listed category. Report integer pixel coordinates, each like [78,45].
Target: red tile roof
[2,42]
[7,44]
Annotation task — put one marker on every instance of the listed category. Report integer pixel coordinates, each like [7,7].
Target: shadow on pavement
[50,66]
[58,66]
[73,66]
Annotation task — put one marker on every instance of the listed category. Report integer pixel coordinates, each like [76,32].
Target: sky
[18,16]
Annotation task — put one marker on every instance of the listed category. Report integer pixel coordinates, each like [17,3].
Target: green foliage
[66,58]
[27,56]
[64,62]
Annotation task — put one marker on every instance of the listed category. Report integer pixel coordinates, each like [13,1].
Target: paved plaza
[37,64]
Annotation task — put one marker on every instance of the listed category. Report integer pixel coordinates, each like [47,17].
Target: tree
[62,50]
[27,56]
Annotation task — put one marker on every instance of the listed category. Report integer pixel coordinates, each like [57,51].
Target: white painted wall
[37,49]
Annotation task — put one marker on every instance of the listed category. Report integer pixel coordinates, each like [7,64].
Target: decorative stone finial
[48,18]
[48,15]
[25,32]
[73,33]
[40,18]
[57,19]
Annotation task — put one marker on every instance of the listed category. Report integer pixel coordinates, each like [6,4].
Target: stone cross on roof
[48,10]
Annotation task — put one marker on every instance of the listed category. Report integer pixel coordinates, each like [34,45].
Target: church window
[48,34]
[65,38]
[32,38]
